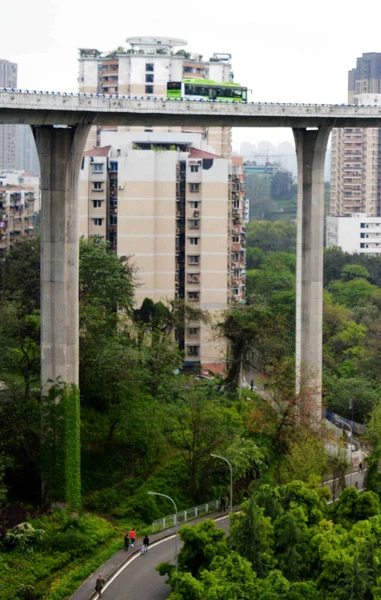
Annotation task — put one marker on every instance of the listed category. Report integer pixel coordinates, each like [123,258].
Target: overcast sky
[295,51]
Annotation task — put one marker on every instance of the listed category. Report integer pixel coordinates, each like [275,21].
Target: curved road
[138,580]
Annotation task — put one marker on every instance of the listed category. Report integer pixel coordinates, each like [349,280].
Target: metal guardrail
[185,515]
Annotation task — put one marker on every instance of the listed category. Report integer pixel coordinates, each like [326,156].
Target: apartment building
[17,146]
[18,212]
[355,156]
[8,78]
[171,198]
[178,210]
[356,234]
[145,68]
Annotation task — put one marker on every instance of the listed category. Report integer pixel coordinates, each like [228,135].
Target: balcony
[14,198]
[193,278]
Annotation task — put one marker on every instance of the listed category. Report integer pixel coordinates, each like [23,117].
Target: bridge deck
[49,108]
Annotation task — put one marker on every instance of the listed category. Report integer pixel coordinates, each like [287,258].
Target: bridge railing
[185,515]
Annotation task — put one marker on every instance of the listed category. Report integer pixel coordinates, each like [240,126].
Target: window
[235,239]
[194,187]
[97,203]
[114,165]
[193,331]
[193,241]
[149,67]
[194,296]
[98,222]
[193,277]
[149,77]
[194,224]
[194,168]
[194,204]
[98,167]
[113,220]
[97,186]
[236,273]
[149,89]
[193,260]
[193,350]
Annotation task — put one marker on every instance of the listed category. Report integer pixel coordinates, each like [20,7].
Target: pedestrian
[99,584]
[360,467]
[146,541]
[223,504]
[357,485]
[126,542]
[132,535]
[143,550]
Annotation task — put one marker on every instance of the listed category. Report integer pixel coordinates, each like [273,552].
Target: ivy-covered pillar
[60,151]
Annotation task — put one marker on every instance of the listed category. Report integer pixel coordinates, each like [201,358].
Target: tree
[283,186]
[334,262]
[252,537]
[271,237]
[350,272]
[201,543]
[359,390]
[256,338]
[353,292]
[291,536]
[198,423]
[306,459]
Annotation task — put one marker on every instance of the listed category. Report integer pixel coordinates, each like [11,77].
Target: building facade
[8,79]
[171,198]
[18,212]
[17,146]
[357,234]
[178,211]
[355,155]
[145,69]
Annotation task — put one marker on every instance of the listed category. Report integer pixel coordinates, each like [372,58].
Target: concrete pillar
[60,151]
[311,148]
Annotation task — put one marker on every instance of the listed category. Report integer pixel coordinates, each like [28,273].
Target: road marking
[135,556]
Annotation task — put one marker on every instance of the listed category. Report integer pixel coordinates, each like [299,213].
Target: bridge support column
[311,148]
[60,151]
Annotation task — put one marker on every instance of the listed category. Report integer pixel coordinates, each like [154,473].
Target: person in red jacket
[132,535]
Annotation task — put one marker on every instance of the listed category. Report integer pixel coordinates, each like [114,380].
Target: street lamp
[231,478]
[176,524]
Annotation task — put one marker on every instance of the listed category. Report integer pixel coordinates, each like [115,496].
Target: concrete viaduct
[61,123]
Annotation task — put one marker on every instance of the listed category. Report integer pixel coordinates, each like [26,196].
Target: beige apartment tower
[172,199]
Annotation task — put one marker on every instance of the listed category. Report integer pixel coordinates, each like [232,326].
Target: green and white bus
[206,89]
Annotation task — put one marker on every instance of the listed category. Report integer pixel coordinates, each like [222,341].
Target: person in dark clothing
[223,504]
[360,467]
[146,541]
[99,584]
[126,542]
